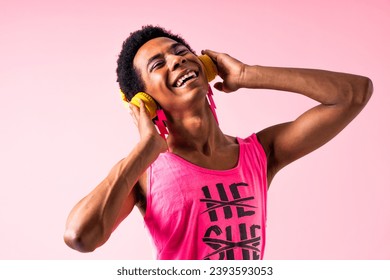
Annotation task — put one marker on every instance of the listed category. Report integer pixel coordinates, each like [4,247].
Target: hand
[146,128]
[230,70]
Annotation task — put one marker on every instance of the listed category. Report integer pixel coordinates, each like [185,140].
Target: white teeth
[191,74]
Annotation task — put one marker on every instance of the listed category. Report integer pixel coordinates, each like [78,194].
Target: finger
[134,112]
[131,112]
[142,108]
[135,122]
[212,54]
[133,108]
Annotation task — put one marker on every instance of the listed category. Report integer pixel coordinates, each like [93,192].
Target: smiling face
[172,74]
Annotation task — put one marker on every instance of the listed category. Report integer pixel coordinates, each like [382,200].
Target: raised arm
[341,96]
[92,220]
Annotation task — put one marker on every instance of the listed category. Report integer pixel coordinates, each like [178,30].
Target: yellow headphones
[150,104]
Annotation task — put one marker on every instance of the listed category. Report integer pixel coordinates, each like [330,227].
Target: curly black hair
[128,77]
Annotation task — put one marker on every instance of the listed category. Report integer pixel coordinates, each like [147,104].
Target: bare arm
[341,96]
[92,220]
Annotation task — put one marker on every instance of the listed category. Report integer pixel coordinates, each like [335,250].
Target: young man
[203,193]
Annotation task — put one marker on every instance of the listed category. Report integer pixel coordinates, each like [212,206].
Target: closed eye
[181,52]
[157,64]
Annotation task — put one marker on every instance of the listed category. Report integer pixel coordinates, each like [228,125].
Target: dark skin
[195,135]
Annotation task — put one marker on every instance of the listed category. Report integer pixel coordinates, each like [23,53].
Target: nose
[176,61]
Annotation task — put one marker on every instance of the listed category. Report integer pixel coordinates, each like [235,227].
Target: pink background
[63,125]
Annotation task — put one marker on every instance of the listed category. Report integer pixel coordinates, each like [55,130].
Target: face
[172,74]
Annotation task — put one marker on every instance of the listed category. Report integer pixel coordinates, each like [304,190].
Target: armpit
[140,198]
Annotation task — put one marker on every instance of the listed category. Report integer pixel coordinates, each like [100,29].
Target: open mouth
[182,81]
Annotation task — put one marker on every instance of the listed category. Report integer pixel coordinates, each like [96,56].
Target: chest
[221,159]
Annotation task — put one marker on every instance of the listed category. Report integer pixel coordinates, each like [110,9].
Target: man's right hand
[146,128]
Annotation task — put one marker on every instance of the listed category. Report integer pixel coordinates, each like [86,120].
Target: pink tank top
[196,213]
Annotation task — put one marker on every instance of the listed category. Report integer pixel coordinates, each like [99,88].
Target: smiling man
[203,193]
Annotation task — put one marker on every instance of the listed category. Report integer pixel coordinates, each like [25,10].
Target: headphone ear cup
[150,104]
[210,67]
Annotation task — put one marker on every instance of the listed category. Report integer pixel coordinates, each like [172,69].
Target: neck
[194,131]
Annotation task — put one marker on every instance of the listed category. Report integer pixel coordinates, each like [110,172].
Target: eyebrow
[154,57]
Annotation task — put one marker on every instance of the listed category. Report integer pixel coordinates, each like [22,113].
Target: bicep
[289,141]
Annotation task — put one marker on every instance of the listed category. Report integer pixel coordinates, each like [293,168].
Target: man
[203,193]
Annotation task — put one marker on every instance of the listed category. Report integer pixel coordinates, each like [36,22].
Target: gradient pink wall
[63,125]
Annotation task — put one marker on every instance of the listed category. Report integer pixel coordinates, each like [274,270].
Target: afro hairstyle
[129,79]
